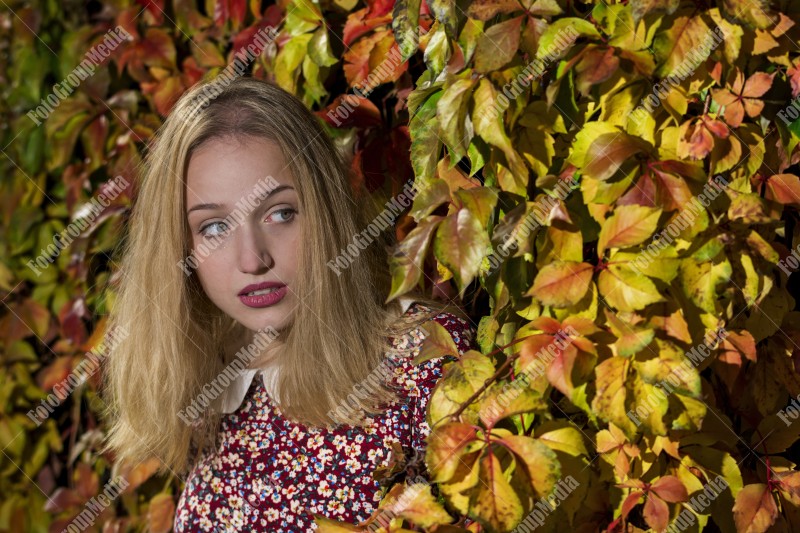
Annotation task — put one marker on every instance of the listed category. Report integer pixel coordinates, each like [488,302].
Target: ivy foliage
[612,186]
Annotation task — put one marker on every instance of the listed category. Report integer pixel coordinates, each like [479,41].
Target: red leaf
[630,502]
[358,24]
[656,513]
[670,489]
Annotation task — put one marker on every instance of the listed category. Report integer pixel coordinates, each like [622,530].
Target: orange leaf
[784,189]
[670,489]
[160,514]
[562,284]
[755,510]
[656,513]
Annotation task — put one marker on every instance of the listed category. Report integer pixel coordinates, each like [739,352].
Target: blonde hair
[178,341]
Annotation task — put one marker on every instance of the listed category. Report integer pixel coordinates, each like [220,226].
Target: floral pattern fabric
[272,474]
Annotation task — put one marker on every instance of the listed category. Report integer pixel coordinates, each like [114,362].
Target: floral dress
[271,474]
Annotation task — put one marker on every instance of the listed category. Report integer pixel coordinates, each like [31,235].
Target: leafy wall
[612,187]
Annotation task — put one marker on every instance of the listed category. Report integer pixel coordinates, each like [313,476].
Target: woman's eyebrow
[199,207]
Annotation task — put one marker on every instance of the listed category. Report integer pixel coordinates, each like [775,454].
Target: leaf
[460,245]
[488,9]
[326,525]
[562,283]
[503,400]
[416,503]
[452,108]
[426,145]
[784,189]
[489,125]
[161,513]
[700,281]
[567,439]
[495,502]
[561,35]
[462,379]
[628,226]
[438,343]
[608,152]
[447,444]
[743,96]
[627,290]
[682,44]
[406,261]
[755,510]
[751,12]
[497,45]
[641,8]
[405,25]
[670,489]
[609,402]
[539,463]
[656,513]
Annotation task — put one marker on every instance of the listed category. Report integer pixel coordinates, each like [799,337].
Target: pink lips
[263,300]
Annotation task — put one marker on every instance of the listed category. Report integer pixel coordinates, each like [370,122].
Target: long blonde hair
[177,341]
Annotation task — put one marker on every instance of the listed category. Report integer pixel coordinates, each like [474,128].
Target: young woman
[277,382]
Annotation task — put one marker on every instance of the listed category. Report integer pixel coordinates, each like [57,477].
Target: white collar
[233,396]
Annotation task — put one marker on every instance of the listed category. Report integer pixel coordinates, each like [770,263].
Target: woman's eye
[221,229]
[287,214]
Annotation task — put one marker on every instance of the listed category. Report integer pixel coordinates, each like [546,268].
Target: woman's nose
[253,255]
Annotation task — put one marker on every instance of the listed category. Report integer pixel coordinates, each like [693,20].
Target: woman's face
[243,214]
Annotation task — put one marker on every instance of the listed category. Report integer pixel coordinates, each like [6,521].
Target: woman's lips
[264,300]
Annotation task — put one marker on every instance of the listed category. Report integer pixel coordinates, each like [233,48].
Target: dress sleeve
[429,374]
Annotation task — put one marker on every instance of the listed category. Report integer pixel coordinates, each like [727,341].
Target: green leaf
[627,290]
[538,463]
[319,48]
[437,343]
[562,437]
[460,245]
[561,35]
[700,281]
[488,123]
[405,25]
[452,109]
